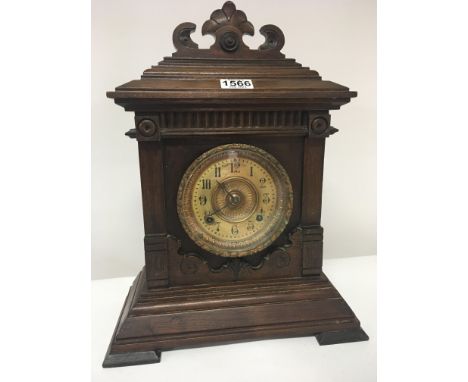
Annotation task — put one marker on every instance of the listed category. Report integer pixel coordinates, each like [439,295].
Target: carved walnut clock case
[231,145]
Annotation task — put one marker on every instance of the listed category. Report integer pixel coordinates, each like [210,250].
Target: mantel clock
[231,145]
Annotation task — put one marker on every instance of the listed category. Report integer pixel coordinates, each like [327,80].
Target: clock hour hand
[217,210]
[209,217]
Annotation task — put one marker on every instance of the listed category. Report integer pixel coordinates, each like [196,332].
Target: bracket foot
[342,336]
[131,358]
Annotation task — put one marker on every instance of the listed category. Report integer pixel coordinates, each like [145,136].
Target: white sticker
[236,84]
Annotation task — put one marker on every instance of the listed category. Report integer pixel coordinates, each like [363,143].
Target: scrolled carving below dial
[189,264]
[280,257]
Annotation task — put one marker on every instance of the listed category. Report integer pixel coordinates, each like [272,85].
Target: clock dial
[234,200]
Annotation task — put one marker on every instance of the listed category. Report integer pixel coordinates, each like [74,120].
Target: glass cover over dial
[234,200]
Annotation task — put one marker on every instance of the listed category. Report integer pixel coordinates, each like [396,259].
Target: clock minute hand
[224,188]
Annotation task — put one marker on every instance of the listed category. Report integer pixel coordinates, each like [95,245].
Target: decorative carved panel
[193,265]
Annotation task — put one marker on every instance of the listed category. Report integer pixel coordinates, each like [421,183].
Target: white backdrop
[335,37]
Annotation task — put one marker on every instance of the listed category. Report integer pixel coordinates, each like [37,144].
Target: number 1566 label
[236,84]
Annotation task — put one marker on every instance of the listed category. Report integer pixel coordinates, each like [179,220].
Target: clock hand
[217,210]
[223,187]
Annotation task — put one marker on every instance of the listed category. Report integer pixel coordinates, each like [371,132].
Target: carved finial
[274,38]
[228,25]
[181,36]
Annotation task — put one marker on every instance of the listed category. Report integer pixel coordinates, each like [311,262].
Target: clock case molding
[185,297]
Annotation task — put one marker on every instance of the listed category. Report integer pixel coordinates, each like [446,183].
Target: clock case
[184,296]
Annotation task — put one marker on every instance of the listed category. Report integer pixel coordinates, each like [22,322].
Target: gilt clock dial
[234,200]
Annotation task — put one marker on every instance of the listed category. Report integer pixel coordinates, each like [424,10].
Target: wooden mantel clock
[231,144]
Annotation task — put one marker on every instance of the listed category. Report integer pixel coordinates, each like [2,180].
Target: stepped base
[183,317]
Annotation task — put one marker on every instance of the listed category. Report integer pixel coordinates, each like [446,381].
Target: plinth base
[160,319]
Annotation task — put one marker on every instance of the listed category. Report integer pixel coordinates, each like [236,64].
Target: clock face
[234,200]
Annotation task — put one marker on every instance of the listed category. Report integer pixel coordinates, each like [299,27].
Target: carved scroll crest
[227,25]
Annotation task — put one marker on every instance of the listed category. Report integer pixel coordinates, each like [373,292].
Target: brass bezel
[280,219]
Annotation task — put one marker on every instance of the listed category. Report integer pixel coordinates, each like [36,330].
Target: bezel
[260,239]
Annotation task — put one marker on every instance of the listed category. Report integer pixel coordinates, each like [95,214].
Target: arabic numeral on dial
[235,164]
[206,184]
[234,230]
